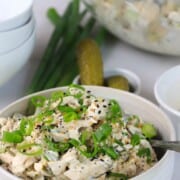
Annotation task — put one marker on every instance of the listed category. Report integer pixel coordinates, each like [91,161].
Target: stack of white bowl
[17,36]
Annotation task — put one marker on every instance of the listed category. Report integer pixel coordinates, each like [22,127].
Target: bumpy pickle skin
[90,63]
[118,82]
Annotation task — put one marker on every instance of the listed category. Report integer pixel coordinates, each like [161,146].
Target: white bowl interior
[12,8]
[132,104]
[13,61]
[167,90]
[133,79]
[14,38]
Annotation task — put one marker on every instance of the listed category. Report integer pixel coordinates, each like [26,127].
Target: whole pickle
[90,63]
[118,82]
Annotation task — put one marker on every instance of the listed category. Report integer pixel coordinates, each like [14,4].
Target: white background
[115,54]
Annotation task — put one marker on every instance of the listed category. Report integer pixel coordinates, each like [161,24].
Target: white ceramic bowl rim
[170,126]
[20,9]
[159,99]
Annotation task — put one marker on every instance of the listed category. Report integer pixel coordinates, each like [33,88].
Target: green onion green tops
[75,135]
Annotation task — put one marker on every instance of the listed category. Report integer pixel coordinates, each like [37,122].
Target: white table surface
[116,54]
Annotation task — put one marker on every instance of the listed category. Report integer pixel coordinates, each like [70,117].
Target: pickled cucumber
[90,63]
[118,82]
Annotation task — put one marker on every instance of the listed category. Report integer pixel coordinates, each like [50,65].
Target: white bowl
[14,13]
[14,60]
[167,93]
[133,79]
[13,38]
[132,104]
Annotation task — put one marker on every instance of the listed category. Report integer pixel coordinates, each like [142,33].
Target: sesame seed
[104,106]
[99,112]
[88,91]
[97,105]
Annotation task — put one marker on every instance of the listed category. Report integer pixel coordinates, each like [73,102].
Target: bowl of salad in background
[42,145]
[148,24]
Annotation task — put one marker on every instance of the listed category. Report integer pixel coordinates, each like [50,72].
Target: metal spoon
[168,145]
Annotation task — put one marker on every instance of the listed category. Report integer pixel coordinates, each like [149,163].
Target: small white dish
[14,38]
[14,13]
[133,104]
[167,93]
[133,79]
[13,61]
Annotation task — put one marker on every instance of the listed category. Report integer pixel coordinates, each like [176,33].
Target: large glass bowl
[153,25]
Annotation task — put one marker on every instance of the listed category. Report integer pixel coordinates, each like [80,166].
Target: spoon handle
[169,145]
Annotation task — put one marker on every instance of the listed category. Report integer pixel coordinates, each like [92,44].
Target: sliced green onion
[58,95]
[43,115]
[26,126]
[38,101]
[77,87]
[30,149]
[48,120]
[66,109]
[70,116]
[149,130]
[12,137]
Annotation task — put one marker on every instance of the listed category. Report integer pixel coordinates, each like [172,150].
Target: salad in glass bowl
[153,25]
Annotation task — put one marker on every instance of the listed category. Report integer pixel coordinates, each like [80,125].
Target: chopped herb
[110,151]
[85,135]
[145,152]
[119,142]
[135,139]
[60,147]
[83,150]
[114,112]
[103,132]
[118,175]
